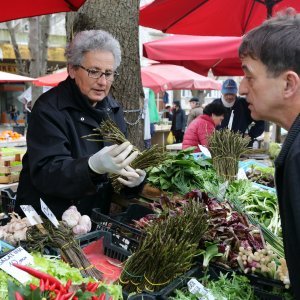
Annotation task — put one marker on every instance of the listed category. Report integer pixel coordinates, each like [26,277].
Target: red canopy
[210,17]
[198,53]
[157,77]
[9,77]
[176,78]
[17,9]
[52,79]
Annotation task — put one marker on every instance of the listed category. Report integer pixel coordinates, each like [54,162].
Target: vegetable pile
[261,175]
[182,173]
[14,231]
[264,262]
[50,288]
[109,132]
[73,219]
[168,249]
[61,238]
[236,287]
[226,147]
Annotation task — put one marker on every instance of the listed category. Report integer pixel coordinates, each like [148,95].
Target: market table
[160,135]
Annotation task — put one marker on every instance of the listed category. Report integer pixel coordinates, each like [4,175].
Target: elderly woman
[60,166]
[203,126]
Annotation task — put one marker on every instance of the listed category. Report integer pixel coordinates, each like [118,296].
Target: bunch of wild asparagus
[61,238]
[167,251]
[226,148]
[109,132]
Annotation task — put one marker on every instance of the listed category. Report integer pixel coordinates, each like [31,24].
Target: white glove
[133,181]
[113,159]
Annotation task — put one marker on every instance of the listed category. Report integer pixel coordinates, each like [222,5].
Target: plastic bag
[170,138]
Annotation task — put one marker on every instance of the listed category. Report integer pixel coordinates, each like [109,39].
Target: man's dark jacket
[242,119]
[287,177]
[55,166]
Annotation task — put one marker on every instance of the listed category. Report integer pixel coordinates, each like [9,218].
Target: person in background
[271,85]
[60,166]
[168,114]
[238,117]
[198,132]
[196,110]
[14,114]
[178,122]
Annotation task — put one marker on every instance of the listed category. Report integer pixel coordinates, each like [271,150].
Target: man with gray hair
[60,166]
[270,56]
[196,110]
[237,117]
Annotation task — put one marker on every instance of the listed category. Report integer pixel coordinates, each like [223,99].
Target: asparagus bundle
[109,132]
[226,148]
[63,239]
[167,251]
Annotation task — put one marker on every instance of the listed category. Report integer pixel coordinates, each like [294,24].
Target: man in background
[196,110]
[178,122]
[238,116]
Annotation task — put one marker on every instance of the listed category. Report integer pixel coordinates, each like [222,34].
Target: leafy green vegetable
[182,173]
[210,252]
[235,288]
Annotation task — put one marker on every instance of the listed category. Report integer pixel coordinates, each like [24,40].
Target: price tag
[31,214]
[19,256]
[48,213]
[241,174]
[196,288]
[205,151]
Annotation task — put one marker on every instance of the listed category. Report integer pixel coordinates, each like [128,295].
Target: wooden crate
[10,173]
[11,178]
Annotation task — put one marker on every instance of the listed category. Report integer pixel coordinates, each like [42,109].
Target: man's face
[193,104]
[95,89]
[263,92]
[229,97]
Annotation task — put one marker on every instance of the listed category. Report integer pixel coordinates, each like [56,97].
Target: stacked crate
[10,168]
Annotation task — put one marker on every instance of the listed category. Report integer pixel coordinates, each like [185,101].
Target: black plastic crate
[8,200]
[124,235]
[168,290]
[264,295]
[113,251]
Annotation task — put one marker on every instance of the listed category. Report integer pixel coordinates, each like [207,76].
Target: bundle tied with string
[226,147]
[61,238]
[167,251]
[109,132]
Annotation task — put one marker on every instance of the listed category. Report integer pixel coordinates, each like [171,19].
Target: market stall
[194,218]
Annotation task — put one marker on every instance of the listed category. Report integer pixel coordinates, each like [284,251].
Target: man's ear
[292,83]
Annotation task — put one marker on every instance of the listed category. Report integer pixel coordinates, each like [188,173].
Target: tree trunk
[177,95]
[38,46]
[120,18]
[19,63]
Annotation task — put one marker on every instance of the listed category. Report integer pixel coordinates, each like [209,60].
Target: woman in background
[203,126]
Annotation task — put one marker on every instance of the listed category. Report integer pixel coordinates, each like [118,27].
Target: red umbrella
[18,9]
[210,17]
[9,77]
[198,53]
[176,78]
[155,82]
[157,77]
[52,79]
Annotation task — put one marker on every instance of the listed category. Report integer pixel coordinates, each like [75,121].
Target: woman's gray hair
[89,40]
